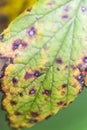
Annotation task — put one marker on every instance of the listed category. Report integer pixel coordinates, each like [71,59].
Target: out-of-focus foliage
[9,9]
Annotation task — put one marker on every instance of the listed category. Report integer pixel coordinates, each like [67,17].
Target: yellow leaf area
[43,60]
[10,9]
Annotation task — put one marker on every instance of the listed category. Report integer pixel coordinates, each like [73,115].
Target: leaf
[9,10]
[47,60]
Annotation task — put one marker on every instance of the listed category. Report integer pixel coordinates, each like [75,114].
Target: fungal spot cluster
[29,75]
[17,43]
[83,72]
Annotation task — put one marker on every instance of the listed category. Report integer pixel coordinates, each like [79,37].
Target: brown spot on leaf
[21,94]
[46,92]
[60,103]
[64,85]
[13,103]
[58,69]
[34,114]
[32,121]
[28,76]
[29,10]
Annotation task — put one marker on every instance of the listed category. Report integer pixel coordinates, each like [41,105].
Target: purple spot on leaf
[32,32]
[47,92]
[32,91]
[15,81]
[65,17]
[85,59]
[59,61]
[84,9]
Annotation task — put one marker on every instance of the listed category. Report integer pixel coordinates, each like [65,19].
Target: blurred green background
[74,117]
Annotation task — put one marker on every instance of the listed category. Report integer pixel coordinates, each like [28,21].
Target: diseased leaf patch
[48,67]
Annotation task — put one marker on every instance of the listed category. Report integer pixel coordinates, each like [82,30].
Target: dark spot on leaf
[32,91]
[80,79]
[34,114]
[60,103]
[84,9]
[48,117]
[85,59]
[47,92]
[32,121]
[13,103]
[32,32]
[66,66]
[14,80]
[29,10]
[65,104]
[65,17]
[58,69]
[21,94]
[64,85]
[36,73]
[16,44]
[59,61]
[28,76]
[17,113]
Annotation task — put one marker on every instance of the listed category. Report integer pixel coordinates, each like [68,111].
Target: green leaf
[47,60]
